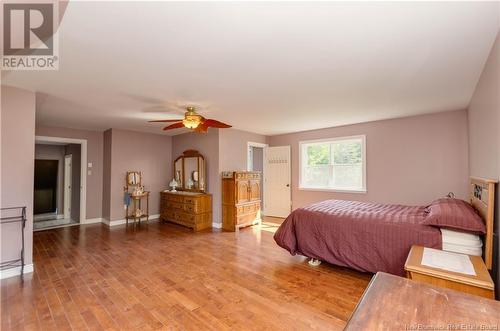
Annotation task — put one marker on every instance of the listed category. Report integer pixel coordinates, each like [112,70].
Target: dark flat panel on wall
[45,199]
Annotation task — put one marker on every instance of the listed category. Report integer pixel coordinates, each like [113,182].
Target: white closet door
[277,182]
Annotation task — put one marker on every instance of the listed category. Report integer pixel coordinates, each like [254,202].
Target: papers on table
[455,262]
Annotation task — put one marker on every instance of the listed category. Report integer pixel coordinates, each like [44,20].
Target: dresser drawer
[192,208]
[169,214]
[180,218]
[175,205]
[246,219]
[186,217]
[247,209]
[247,175]
[190,200]
[175,198]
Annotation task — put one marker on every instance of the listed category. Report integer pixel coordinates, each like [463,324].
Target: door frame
[67,191]
[83,166]
[263,175]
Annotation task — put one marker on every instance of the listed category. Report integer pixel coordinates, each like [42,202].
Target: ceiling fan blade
[164,121]
[215,124]
[174,126]
[202,127]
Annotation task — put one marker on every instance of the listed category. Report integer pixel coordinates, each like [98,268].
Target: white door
[277,182]
[68,160]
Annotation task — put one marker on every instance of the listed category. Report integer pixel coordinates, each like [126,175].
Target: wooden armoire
[240,199]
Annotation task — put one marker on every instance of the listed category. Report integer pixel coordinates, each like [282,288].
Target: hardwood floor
[165,276]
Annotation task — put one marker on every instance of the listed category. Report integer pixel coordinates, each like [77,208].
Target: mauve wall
[137,151]
[484,128]
[208,145]
[233,148]
[17,166]
[410,160]
[94,155]
[54,152]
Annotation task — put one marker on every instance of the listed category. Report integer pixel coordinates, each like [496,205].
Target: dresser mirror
[178,170]
[189,171]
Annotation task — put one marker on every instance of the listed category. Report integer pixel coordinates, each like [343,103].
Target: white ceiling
[269,68]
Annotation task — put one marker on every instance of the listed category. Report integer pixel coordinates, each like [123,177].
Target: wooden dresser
[240,199]
[190,209]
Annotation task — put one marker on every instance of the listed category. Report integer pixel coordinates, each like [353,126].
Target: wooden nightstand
[481,284]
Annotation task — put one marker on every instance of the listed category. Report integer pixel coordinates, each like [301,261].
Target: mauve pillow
[454,214]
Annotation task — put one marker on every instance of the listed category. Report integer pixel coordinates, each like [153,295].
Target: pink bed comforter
[364,236]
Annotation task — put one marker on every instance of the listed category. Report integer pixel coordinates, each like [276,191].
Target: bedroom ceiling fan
[194,121]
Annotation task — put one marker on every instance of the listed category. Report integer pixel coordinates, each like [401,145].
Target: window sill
[362,191]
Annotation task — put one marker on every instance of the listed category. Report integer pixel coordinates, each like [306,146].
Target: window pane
[317,176]
[346,176]
[318,154]
[347,152]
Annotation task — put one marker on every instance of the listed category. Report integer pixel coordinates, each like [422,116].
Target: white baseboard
[113,223]
[123,221]
[217,225]
[7,273]
[92,220]
[50,216]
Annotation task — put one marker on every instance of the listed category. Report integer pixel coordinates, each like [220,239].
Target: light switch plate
[90,165]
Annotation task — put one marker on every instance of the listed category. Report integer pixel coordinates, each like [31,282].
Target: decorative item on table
[173,184]
[189,183]
[138,191]
[202,184]
[138,213]
[126,199]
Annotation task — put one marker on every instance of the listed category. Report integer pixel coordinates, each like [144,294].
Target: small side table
[136,202]
[481,284]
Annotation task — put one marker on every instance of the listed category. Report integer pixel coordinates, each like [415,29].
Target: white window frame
[363,155]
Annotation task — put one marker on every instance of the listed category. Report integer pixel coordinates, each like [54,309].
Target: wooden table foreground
[396,303]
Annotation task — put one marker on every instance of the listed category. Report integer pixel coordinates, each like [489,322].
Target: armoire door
[242,191]
[254,190]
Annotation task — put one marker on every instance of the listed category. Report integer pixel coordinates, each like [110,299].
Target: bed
[372,237]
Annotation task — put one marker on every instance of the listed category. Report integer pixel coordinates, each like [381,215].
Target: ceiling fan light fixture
[191,121]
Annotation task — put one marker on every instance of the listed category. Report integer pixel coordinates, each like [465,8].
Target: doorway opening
[59,182]
[255,162]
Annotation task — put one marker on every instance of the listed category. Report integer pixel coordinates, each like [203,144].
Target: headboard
[482,197]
